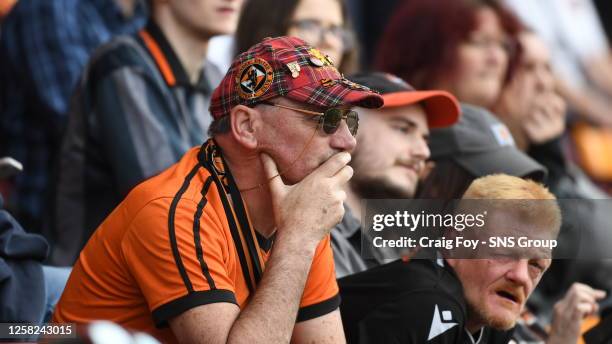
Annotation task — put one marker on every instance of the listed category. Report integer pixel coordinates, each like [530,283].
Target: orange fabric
[587,324]
[5,7]
[127,271]
[594,148]
[159,57]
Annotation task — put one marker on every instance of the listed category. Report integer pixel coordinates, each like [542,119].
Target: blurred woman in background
[464,47]
[322,23]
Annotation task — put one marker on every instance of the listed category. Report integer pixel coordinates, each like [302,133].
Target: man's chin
[500,319]
[502,323]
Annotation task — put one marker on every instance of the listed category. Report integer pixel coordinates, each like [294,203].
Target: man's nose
[342,139]
[519,274]
[420,150]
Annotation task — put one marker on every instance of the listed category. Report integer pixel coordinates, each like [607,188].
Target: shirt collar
[167,60]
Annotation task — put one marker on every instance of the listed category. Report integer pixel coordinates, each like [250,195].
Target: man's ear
[243,121]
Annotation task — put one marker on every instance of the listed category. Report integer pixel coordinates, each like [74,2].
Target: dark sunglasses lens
[331,120]
[352,121]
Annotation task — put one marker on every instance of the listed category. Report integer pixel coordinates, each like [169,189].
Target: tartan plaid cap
[287,67]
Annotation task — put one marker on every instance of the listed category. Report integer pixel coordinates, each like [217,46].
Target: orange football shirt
[179,240]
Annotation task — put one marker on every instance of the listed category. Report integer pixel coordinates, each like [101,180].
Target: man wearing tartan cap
[232,243]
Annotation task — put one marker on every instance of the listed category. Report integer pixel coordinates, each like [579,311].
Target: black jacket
[22,285]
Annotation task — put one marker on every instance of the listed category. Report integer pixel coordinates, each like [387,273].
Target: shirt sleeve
[417,317]
[321,291]
[134,119]
[176,264]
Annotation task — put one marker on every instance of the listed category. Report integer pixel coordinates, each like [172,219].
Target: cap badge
[502,134]
[254,78]
[294,68]
[354,86]
[319,59]
[328,82]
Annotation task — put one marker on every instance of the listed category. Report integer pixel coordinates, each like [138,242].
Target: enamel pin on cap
[294,68]
[319,59]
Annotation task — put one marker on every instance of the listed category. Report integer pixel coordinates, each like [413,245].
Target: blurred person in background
[29,290]
[580,52]
[394,139]
[322,23]
[141,104]
[464,47]
[531,107]
[44,47]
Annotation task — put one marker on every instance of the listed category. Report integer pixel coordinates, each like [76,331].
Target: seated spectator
[28,289]
[233,241]
[532,109]
[44,47]
[451,299]
[322,23]
[581,57]
[140,106]
[394,139]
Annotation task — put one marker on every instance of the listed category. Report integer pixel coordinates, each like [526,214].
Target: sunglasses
[330,119]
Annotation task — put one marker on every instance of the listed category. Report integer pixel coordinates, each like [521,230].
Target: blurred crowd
[103,101]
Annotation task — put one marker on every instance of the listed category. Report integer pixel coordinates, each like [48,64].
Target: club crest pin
[294,68]
[318,59]
[254,78]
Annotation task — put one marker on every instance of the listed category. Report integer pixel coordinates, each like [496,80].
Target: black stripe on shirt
[172,229]
[234,231]
[319,309]
[196,234]
[245,226]
[206,158]
[176,307]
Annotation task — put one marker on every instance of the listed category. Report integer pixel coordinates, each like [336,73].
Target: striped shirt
[180,240]
[135,114]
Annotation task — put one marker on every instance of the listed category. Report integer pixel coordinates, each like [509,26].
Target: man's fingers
[599,294]
[334,164]
[586,308]
[344,175]
[277,187]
